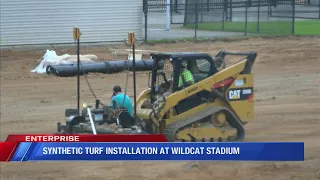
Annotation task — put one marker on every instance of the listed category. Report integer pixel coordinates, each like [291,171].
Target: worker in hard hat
[186,77]
[121,100]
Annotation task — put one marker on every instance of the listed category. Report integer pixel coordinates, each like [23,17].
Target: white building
[52,21]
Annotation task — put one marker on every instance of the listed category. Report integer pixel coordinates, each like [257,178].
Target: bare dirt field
[287,108]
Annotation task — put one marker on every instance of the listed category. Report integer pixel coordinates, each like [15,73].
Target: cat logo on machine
[234,94]
[240,94]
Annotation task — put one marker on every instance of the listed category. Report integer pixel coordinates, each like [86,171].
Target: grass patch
[311,27]
[307,27]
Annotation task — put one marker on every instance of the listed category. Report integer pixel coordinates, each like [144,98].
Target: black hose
[108,67]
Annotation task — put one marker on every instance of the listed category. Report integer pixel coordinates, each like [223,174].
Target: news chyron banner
[141,147]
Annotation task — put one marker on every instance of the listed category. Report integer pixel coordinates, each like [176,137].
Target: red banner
[85,138]
[7,150]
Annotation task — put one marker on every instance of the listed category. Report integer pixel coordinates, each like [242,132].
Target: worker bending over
[121,100]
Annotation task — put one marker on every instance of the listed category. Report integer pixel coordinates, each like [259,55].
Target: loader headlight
[84,105]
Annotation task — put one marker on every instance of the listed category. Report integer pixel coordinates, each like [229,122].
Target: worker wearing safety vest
[186,77]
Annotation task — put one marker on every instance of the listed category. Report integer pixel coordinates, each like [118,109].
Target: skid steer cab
[171,71]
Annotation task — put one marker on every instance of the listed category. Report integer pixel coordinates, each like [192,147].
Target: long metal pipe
[108,67]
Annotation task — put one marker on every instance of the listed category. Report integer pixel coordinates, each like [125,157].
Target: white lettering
[247,91]
[127,150]
[61,150]
[51,138]
[94,150]
[187,150]
[234,94]
[223,150]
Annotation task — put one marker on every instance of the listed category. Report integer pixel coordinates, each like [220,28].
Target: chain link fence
[159,20]
[304,9]
[183,19]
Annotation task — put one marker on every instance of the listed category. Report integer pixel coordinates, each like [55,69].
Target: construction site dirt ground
[287,108]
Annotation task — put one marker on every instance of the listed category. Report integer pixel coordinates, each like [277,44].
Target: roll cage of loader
[167,67]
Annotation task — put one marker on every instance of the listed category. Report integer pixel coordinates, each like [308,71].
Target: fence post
[246,20]
[200,12]
[269,9]
[225,7]
[319,7]
[145,9]
[293,15]
[197,20]
[176,6]
[168,14]
[171,11]
[223,14]
[230,3]
[258,23]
